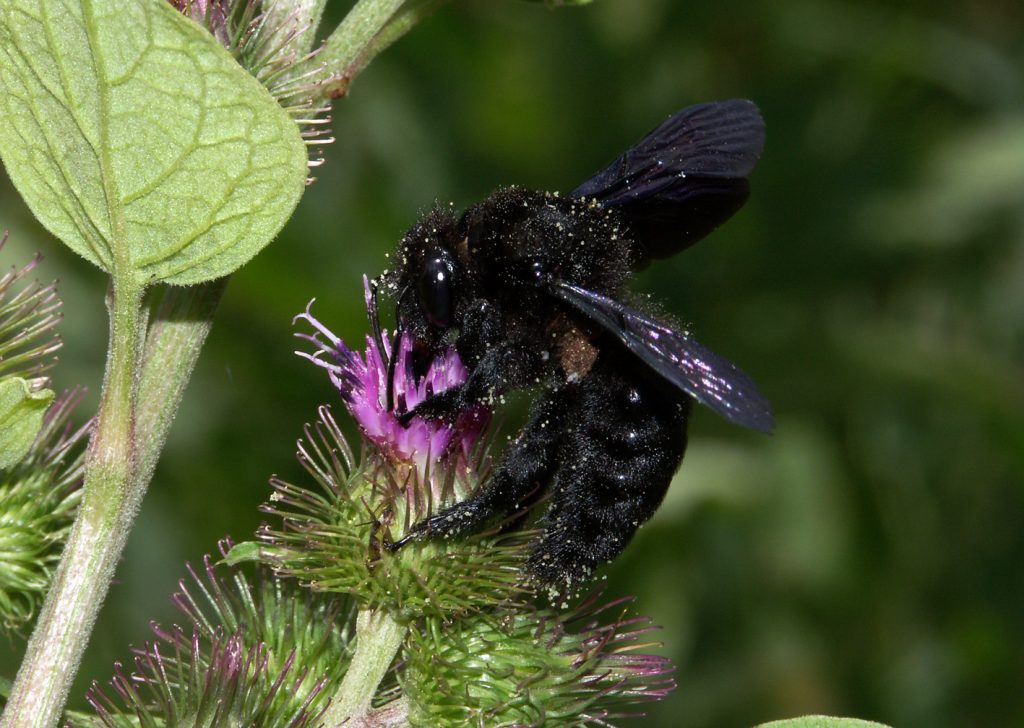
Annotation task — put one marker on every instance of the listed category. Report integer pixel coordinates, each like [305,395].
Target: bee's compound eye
[435,290]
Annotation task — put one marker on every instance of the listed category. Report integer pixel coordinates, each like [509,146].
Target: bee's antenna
[393,361]
[392,366]
[374,316]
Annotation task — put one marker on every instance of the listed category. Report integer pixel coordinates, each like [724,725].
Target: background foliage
[865,559]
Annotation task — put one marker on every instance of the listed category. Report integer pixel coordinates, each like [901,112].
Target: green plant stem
[175,338]
[401,23]
[378,639]
[393,715]
[344,52]
[110,501]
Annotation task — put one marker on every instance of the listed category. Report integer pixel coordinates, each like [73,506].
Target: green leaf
[21,418]
[822,721]
[139,142]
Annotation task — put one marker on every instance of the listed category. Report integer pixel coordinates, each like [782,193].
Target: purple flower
[361,379]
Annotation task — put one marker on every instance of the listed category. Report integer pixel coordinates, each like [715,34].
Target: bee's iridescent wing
[709,378]
[685,178]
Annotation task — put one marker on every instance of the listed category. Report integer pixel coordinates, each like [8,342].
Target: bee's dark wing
[685,178]
[710,379]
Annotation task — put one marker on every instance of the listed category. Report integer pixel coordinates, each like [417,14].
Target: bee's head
[428,279]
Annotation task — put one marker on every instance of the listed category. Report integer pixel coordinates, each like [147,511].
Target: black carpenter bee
[528,287]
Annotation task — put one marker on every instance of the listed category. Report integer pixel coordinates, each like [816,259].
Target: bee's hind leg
[617,460]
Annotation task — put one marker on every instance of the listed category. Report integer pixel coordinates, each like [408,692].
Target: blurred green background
[866,559]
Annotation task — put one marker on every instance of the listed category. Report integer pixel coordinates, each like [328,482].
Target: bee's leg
[627,440]
[498,362]
[501,369]
[526,466]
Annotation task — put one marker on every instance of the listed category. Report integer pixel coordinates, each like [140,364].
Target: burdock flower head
[255,651]
[405,472]
[362,380]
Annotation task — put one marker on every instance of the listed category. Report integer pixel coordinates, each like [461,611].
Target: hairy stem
[344,52]
[401,23]
[110,502]
[176,336]
[378,639]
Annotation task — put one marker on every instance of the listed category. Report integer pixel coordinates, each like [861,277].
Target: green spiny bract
[259,651]
[335,540]
[38,500]
[531,668]
[29,312]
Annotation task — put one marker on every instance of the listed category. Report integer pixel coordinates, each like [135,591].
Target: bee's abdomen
[627,439]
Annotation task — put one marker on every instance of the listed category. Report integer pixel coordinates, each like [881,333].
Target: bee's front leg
[444,405]
[500,370]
